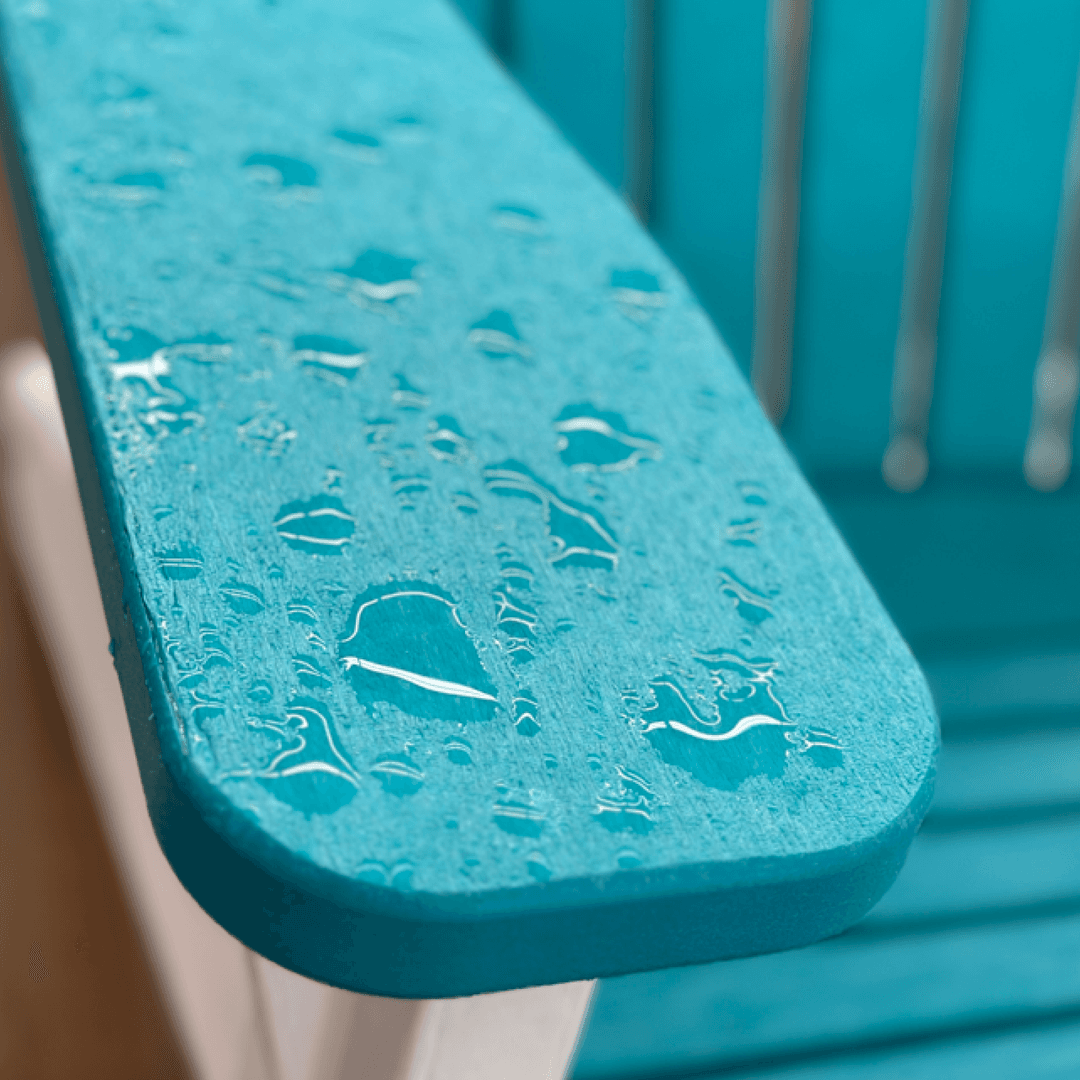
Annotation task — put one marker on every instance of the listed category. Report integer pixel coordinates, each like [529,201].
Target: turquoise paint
[401,675]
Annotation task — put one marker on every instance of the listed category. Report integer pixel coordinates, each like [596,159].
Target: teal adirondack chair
[475,630]
[967,967]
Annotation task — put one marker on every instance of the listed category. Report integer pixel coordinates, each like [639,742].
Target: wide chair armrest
[474,627]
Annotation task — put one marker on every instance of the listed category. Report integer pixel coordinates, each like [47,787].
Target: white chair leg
[238,1016]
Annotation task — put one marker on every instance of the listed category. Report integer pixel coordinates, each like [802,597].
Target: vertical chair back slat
[905,463]
[640,106]
[861,124]
[778,203]
[1016,103]
[1048,456]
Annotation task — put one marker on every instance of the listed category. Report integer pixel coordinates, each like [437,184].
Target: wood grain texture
[474,626]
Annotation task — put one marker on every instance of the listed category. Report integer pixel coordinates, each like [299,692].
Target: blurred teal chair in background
[877,204]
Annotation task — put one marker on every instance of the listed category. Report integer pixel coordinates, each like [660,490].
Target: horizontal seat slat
[831,995]
[1040,1049]
[1038,769]
[979,876]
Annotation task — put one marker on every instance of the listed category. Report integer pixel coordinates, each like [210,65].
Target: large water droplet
[406,645]
[311,773]
[743,732]
[496,336]
[580,534]
[319,526]
[591,439]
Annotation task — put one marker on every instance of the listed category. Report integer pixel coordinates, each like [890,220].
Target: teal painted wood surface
[476,630]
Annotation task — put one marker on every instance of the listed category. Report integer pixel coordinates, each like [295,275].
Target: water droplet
[280,284]
[465,503]
[550,762]
[518,819]
[823,748]
[743,532]
[753,493]
[627,858]
[244,599]
[627,803]
[564,626]
[591,439]
[458,750]
[214,653]
[302,611]
[331,358]
[446,441]
[161,512]
[497,336]
[260,692]
[311,772]
[373,872]
[280,171]
[265,433]
[755,607]
[637,293]
[376,279]
[319,526]
[358,145]
[131,189]
[517,624]
[537,866]
[406,396]
[408,129]
[580,535]
[398,774]
[405,486]
[406,645]
[519,219]
[741,732]
[513,571]
[181,563]
[526,714]
[310,674]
